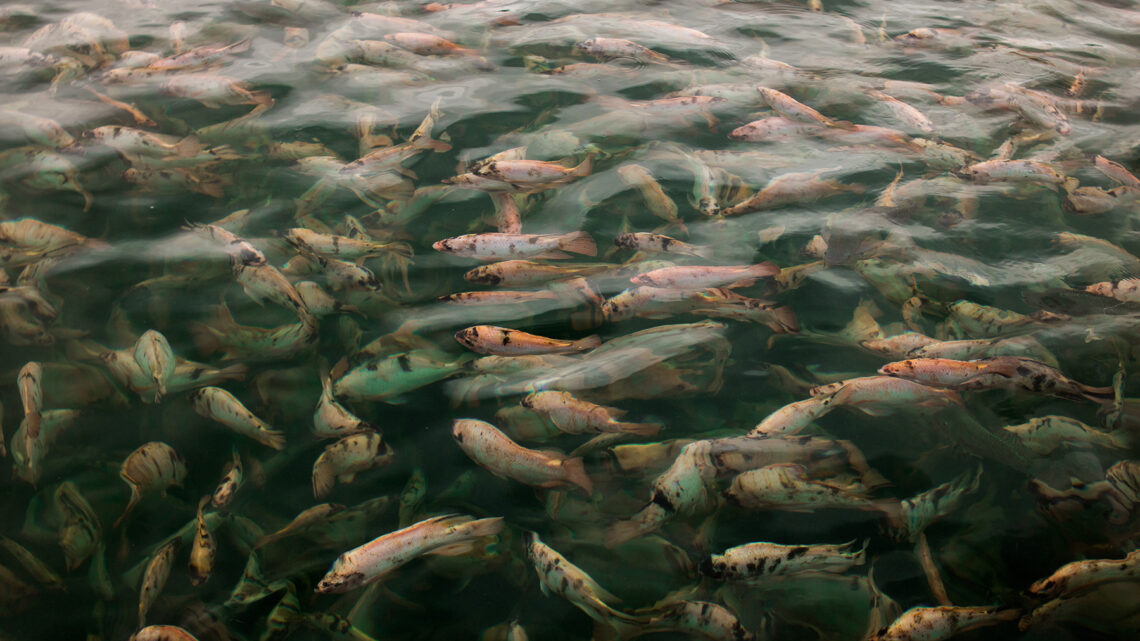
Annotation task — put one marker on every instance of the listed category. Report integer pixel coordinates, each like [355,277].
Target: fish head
[339,580]
[468,337]
[442,245]
[586,45]
[528,400]
[483,276]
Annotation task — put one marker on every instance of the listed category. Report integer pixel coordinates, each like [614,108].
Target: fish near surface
[497,453]
[496,246]
[449,535]
[154,466]
[503,341]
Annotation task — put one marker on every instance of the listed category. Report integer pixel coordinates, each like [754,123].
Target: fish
[999,372]
[29,382]
[231,482]
[1045,434]
[640,241]
[905,113]
[1077,576]
[219,405]
[755,561]
[496,246]
[497,453]
[705,276]
[1125,291]
[389,378]
[522,273]
[346,458]
[310,516]
[333,420]
[793,417]
[785,486]
[557,575]
[575,416]
[342,247]
[619,48]
[154,466]
[793,109]
[162,633]
[1012,171]
[43,574]
[790,188]
[883,395]
[942,622]
[448,535]
[203,550]
[774,128]
[154,578]
[658,202]
[503,341]
[155,360]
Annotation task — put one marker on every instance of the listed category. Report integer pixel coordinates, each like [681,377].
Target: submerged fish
[493,450]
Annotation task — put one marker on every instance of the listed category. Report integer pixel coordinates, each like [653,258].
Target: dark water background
[989,550]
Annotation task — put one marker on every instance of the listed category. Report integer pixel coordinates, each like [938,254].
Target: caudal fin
[576,475]
[584,168]
[588,343]
[640,429]
[272,438]
[784,321]
[578,242]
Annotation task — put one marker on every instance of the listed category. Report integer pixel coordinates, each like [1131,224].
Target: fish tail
[323,480]
[130,507]
[784,321]
[640,429]
[578,242]
[485,527]
[588,343]
[223,152]
[272,438]
[764,269]
[1098,394]
[188,147]
[576,475]
[840,124]
[583,168]
[234,372]
[704,251]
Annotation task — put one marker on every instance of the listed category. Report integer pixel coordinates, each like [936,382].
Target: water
[898,237]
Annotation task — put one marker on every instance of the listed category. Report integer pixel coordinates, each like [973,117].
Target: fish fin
[323,481]
[588,343]
[578,242]
[703,251]
[785,321]
[576,474]
[130,506]
[455,549]
[188,147]
[583,169]
[271,438]
[840,124]
[234,372]
[491,526]
[553,254]
[641,429]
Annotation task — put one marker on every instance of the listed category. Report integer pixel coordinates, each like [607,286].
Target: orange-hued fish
[791,188]
[774,128]
[999,372]
[1126,291]
[705,276]
[501,456]
[427,44]
[496,246]
[1013,171]
[449,535]
[1116,171]
[906,113]
[501,341]
[522,174]
[792,109]
[882,395]
[518,273]
[575,416]
[497,297]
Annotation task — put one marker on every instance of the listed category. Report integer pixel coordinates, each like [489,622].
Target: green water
[1058,77]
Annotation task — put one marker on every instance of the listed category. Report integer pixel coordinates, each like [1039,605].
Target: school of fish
[510,319]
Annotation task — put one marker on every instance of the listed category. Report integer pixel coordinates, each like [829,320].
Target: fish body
[792,418]
[557,575]
[40,572]
[333,420]
[162,633]
[496,246]
[154,578]
[705,276]
[942,622]
[774,128]
[219,405]
[503,341]
[310,516]
[154,466]
[793,109]
[619,48]
[754,561]
[1012,171]
[881,395]
[343,460]
[224,494]
[659,243]
[904,112]
[29,382]
[786,189]
[497,453]
[155,360]
[449,535]
[575,416]
[1125,291]
[387,379]
[521,273]
[331,246]
[785,486]
[1082,575]
[999,372]
[1045,434]
[203,550]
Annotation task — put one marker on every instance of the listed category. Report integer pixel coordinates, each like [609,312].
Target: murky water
[228,202]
